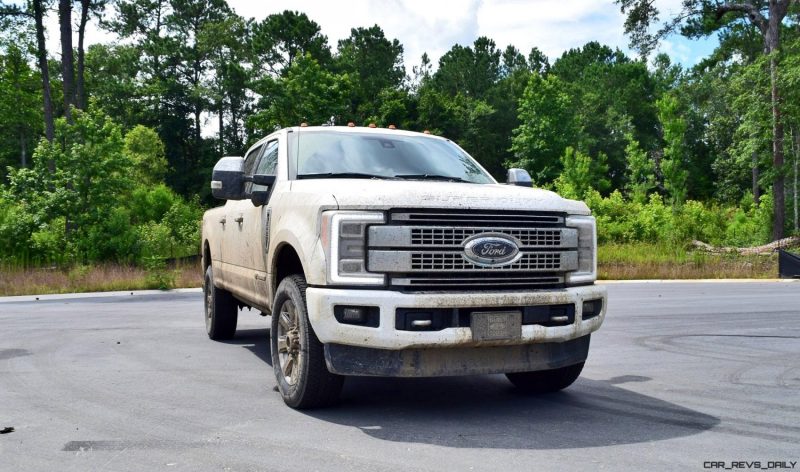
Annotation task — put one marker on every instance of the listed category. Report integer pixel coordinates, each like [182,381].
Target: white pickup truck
[383,252]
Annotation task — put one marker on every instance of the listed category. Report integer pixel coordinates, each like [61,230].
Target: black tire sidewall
[208,284]
[288,290]
[221,325]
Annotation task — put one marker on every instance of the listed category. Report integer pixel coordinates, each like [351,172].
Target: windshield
[326,154]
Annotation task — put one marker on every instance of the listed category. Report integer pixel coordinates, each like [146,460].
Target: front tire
[221,309]
[546,381]
[298,357]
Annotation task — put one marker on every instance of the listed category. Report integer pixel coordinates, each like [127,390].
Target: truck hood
[386,194]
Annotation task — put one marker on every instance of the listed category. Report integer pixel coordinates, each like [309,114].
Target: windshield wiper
[446,178]
[342,175]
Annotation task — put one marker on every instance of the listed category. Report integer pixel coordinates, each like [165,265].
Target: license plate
[496,325]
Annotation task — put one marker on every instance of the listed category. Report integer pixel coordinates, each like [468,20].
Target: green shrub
[158,276]
[623,221]
[151,203]
[47,244]
[113,238]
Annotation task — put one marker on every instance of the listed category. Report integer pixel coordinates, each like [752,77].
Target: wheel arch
[287,261]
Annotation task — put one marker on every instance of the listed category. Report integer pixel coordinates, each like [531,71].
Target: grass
[99,278]
[660,261]
[615,262]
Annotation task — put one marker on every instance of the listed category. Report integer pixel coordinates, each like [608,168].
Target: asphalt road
[679,375]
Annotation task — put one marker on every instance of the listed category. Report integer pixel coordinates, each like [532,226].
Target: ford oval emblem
[491,249]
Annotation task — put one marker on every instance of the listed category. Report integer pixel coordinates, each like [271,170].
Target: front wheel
[546,381]
[298,357]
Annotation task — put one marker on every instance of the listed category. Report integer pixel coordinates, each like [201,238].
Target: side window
[249,166]
[268,164]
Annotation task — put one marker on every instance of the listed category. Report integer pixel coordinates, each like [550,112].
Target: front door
[252,233]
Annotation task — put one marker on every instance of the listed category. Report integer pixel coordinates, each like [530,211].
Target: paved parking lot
[681,374]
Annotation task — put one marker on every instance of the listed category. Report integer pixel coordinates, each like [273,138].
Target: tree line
[595,123]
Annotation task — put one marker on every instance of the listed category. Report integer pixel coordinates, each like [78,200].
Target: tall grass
[666,261]
[95,278]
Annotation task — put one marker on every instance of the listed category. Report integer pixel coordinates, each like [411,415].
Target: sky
[554,26]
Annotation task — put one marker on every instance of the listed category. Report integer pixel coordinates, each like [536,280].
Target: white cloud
[553,26]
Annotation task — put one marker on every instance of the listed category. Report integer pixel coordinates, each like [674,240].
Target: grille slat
[479,217]
[449,261]
[490,281]
[456,236]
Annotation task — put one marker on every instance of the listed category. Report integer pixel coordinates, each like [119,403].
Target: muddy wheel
[222,311]
[546,381]
[298,357]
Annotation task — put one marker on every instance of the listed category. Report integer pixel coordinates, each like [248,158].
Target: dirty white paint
[243,267]
[321,301]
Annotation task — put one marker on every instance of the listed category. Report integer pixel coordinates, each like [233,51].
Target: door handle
[222,221]
[239,219]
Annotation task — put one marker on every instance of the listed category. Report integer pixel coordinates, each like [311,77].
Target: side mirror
[519,177]
[261,196]
[227,179]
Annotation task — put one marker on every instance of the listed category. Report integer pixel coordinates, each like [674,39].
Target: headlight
[344,238]
[587,250]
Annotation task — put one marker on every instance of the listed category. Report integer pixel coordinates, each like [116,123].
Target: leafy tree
[227,88]
[471,70]
[641,170]
[281,38]
[547,127]
[703,17]
[90,176]
[307,93]
[672,165]
[580,174]
[373,64]
[35,10]
[20,107]
[146,153]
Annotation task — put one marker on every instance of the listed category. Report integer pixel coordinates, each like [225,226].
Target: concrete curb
[696,281]
[128,293]
[70,296]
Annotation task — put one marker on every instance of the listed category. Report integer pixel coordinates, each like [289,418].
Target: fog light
[358,315]
[353,315]
[592,308]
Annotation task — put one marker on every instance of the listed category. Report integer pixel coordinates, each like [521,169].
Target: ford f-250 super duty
[391,253]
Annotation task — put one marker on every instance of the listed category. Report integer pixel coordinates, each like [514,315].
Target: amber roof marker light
[351,124]
[372,125]
[303,124]
[392,127]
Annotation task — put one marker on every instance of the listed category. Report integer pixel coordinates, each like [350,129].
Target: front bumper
[320,302]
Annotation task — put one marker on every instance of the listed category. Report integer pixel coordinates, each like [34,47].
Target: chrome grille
[497,218]
[421,236]
[446,261]
[423,249]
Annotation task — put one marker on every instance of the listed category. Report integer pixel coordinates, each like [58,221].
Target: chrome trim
[454,262]
[509,281]
[455,236]
[471,217]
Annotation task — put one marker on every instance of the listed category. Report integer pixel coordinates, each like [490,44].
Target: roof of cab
[362,129]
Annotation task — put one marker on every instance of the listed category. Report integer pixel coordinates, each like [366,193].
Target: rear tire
[546,381]
[221,309]
[298,357]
